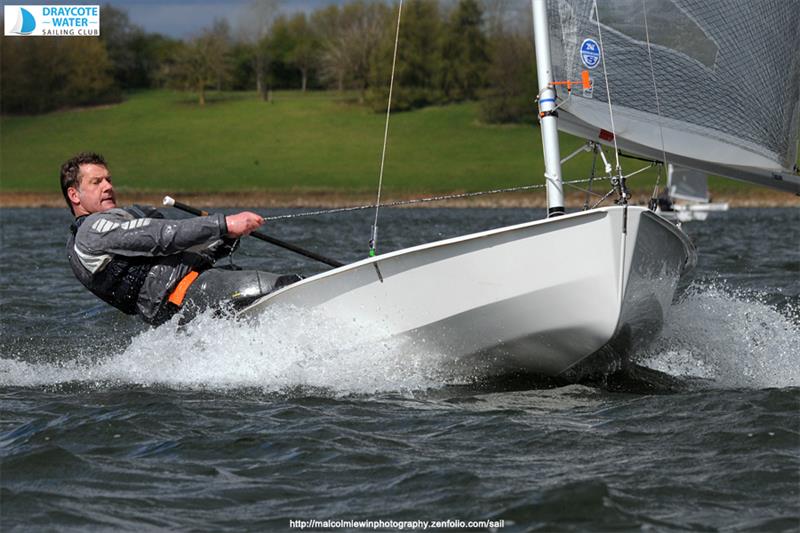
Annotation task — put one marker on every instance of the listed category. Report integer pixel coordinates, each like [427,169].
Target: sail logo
[590,53]
[52,21]
[23,24]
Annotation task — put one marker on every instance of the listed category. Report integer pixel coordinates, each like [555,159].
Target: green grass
[163,141]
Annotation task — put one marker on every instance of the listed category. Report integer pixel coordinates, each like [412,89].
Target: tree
[135,54]
[243,75]
[333,63]
[220,35]
[464,53]
[349,39]
[418,60]
[512,88]
[48,73]
[118,35]
[200,63]
[255,28]
[495,14]
[279,44]
[303,55]
[507,16]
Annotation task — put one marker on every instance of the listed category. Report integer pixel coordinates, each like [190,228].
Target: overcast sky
[182,18]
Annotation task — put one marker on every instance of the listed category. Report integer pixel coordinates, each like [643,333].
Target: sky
[183,18]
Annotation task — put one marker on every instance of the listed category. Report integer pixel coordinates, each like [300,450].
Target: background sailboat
[686,196]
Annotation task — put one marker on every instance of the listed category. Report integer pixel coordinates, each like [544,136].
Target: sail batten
[727,75]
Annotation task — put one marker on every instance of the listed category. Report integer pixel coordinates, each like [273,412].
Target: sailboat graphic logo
[25,23]
[590,53]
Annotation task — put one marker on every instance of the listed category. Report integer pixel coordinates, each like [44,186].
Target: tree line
[448,51]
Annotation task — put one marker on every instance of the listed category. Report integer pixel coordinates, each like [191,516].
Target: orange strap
[179,293]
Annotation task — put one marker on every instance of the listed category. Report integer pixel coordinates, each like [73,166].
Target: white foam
[731,337]
[282,349]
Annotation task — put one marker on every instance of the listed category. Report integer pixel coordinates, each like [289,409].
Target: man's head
[86,184]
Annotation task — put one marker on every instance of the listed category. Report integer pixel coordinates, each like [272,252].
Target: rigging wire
[622,189]
[658,104]
[603,199]
[398,203]
[440,198]
[608,87]
[589,191]
[374,240]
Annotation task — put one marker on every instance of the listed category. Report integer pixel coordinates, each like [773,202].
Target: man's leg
[220,288]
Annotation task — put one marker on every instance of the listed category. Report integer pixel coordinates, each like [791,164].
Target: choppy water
[223,426]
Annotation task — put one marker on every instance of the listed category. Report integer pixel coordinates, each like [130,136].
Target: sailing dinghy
[574,292]
[539,296]
[686,197]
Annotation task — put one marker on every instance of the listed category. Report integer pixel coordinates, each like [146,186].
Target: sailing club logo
[22,24]
[590,53]
[52,21]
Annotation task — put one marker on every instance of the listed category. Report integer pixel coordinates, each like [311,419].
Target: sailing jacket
[132,258]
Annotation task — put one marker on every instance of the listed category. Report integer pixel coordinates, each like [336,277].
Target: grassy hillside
[163,141]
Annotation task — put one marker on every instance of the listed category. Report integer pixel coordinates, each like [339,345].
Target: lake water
[109,425]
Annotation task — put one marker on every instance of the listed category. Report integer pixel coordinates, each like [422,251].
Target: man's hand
[242,223]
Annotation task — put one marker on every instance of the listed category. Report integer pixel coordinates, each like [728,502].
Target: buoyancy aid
[119,282]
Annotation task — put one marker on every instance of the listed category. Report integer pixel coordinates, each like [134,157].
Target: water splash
[283,349]
[732,337]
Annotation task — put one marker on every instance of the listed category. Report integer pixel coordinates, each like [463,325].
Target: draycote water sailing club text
[70,20]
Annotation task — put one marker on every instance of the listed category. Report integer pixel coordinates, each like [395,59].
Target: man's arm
[116,232]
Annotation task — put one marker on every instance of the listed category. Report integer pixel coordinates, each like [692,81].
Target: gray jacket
[167,249]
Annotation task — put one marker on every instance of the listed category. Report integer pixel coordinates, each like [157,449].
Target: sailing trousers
[230,290]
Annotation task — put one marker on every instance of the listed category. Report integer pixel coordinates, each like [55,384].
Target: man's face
[95,192]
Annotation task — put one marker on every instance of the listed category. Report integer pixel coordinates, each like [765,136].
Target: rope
[374,240]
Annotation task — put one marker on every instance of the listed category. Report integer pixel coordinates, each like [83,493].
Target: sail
[721,93]
[687,184]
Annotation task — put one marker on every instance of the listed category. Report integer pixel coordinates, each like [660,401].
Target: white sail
[721,93]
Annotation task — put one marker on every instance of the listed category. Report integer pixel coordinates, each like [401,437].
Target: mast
[548,121]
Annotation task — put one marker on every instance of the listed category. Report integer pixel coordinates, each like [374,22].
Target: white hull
[539,297]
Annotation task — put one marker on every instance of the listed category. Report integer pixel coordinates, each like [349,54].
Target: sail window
[668,26]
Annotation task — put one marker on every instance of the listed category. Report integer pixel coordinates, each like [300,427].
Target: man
[141,263]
